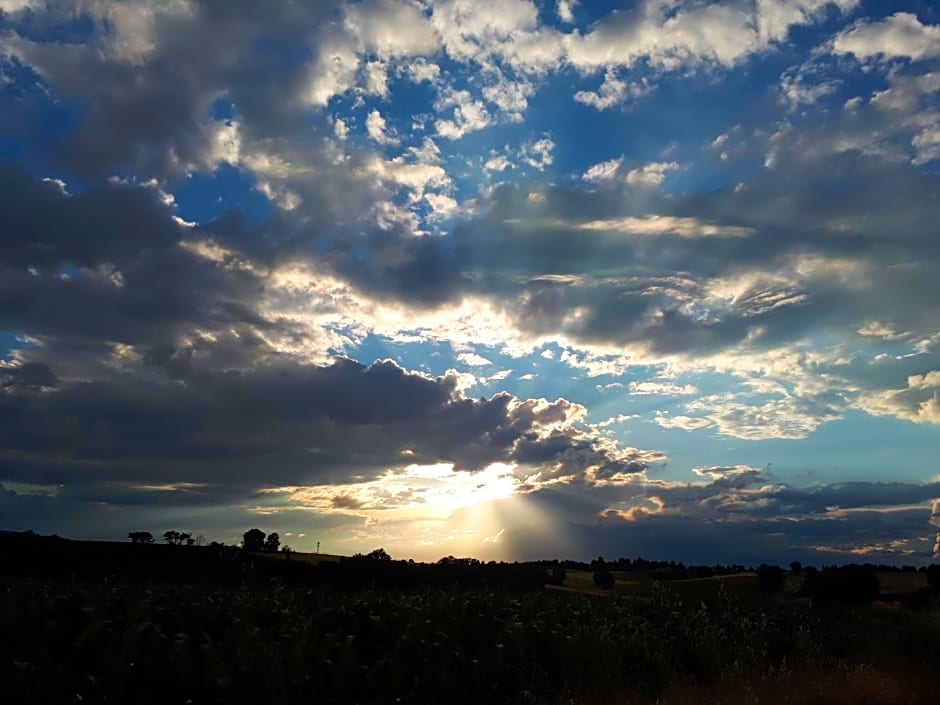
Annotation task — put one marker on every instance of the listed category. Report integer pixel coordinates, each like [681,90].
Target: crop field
[120,640]
[642,584]
[312,558]
[901,583]
[742,585]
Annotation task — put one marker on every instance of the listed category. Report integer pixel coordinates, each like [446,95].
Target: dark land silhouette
[145,621]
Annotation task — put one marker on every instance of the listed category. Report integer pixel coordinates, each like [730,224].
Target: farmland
[643,584]
[100,622]
[151,642]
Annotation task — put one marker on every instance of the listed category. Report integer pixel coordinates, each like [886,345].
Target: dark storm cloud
[148,363]
[277,425]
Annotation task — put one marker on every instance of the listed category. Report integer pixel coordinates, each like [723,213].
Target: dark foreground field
[96,641]
[85,622]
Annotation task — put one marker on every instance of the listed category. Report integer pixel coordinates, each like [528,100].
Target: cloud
[473,360]
[686,423]
[498,162]
[565,10]
[322,425]
[614,171]
[918,402]
[139,114]
[899,36]
[376,128]
[468,115]
[538,154]
[612,91]
[665,225]
[738,514]
[172,386]
[792,260]
[652,387]
[669,38]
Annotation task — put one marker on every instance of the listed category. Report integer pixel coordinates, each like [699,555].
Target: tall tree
[272,542]
[253,540]
[140,537]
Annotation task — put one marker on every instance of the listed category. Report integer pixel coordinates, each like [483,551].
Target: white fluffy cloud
[377,129]
[902,35]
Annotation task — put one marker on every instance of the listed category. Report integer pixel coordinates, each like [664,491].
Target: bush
[603,578]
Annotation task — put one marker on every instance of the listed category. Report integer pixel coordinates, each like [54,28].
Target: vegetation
[771,578]
[93,622]
[126,641]
[140,537]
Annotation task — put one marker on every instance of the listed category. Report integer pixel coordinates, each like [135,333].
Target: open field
[115,640]
[901,583]
[642,584]
[312,558]
[742,585]
[98,622]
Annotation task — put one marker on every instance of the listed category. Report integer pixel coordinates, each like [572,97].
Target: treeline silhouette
[50,557]
[261,557]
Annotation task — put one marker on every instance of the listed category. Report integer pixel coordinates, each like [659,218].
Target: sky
[512,279]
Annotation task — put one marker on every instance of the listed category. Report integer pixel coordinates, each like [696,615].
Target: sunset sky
[510,279]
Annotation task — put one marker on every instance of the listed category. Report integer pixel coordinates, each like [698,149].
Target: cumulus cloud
[614,171]
[919,401]
[902,35]
[612,91]
[565,10]
[377,130]
[469,115]
[538,154]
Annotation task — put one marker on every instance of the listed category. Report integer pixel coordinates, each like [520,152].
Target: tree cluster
[847,583]
[255,541]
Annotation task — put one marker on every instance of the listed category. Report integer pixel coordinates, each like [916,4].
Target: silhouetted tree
[272,542]
[558,575]
[171,536]
[185,538]
[770,578]
[848,583]
[253,540]
[379,554]
[603,578]
[140,537]
[796,567]
[933,575]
